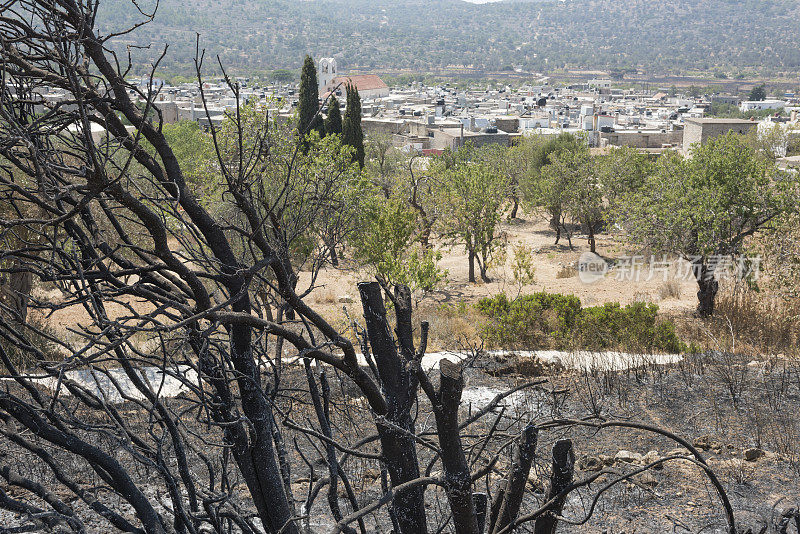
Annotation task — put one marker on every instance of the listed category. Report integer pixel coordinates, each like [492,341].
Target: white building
[326,72]
[758,105]
[600,84]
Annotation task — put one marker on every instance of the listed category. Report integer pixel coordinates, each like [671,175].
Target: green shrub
[634,328]
[555,321]
[540,319]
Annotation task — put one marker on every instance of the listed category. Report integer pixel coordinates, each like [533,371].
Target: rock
[607,460]
[706,443]
[751,455]
[375,489]
[320,468]
[300,491]
[372,473]
[345,299]
[628,457]
[647,479]
[590,463]
[653,456]
[678,452]
[735,465]
[525,366]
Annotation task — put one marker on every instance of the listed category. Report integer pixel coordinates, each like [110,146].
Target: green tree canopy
[386,243]
[705,207]
[352,134]
[475,198]
[553,176]
[282,75]
[758,92]
[333,122]
[308,103]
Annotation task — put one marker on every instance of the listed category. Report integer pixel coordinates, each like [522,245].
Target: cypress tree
[308,103]
[352,134]
[333,124]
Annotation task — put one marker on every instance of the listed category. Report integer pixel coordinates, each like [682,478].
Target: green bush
[554,321]
[537,320]
[634,328]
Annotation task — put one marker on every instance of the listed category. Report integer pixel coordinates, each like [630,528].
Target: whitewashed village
[429,120]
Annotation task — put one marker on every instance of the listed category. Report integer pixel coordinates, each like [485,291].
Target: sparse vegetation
[670,289]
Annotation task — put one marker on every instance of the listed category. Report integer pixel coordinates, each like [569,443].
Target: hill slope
[656,35]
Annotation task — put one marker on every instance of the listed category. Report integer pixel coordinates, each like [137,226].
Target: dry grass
[452,327]
[325,297]
[764,324]
[671,289]
[567,271]
[748,323]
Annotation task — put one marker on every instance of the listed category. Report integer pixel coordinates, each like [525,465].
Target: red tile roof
[363,82]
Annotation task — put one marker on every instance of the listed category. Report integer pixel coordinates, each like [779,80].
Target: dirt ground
[336,287]
[549,261]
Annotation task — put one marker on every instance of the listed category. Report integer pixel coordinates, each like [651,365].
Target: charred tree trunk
[330,451]
[707,288]
[397,437]
[256,457]
[517,478]
[560,479]
[497,504]
[458,481]
[404,330]
[481,503]
[284,464]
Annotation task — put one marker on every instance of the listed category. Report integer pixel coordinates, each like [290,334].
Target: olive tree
[704,208]
[386,243]
[475,198]
[384,162]
[554,168]
[558,189]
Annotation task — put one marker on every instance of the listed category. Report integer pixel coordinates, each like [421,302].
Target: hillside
[657,36]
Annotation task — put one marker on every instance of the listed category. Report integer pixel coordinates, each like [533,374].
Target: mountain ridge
[535,35]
